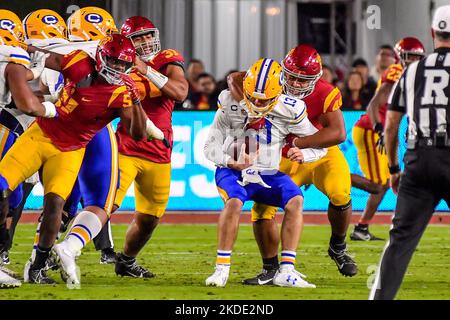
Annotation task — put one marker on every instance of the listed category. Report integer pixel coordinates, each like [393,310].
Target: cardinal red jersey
[324,98]
[86,104]
[158,108]
[391,76]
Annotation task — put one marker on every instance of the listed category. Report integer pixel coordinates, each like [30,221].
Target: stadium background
[231,34]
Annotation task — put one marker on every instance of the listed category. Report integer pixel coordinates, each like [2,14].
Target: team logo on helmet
[49,19]
[6,24]
[93,18]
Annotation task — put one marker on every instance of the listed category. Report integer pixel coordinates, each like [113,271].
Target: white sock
[85,226]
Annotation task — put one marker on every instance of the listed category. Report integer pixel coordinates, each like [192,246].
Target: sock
[363,226]
[126,258]
[288,258]
[41,257]
[223,258]
[336,240]
[86,226]
[270,263]
[36,241]
[363,221]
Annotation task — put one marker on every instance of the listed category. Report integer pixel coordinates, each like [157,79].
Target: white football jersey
[288,116]
[54,79]
[12,55]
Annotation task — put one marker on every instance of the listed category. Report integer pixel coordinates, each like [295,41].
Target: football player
[15,72]
[302,69]
[268,116]
[42,27]
[161,82]
[100,164]
[95,92]
[368,134]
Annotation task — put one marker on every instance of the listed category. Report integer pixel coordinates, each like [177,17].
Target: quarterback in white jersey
[268,117]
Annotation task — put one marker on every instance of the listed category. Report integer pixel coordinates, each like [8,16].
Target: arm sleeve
[213,149]
[305,128]
[396,101]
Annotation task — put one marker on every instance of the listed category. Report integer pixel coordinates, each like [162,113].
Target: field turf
[182,257]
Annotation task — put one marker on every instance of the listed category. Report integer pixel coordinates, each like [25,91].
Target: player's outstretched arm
[173,83]
[134,118]
[332,133]
[53,61]
[235,82]
[25,100]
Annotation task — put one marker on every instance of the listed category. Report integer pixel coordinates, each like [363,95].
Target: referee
[422,93]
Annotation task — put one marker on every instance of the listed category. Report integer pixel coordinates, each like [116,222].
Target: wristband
[394,169]
[153,131]
[158,79]
[50,109]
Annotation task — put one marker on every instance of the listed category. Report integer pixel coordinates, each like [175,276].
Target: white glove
[37,64]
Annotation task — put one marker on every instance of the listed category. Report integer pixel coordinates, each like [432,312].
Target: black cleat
[264,278]
[363,234]
[344,262]
[4,257]
[51,263]
[39,276]
[108,256]
[130,268]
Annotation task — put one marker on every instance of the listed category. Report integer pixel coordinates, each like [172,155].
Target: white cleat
[70,272]
[289,277]
[6,281]
[219,277]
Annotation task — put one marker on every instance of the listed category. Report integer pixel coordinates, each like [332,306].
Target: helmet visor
[113,69]
[146,43]
[297,85]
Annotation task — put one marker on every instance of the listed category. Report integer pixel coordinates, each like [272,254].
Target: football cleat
[4,257]
[130,268]
[38,276]
[289,277]
[363,234]
[108,256]
[219,277]
[6,281]
[264,278]
[66,260]
[344,262]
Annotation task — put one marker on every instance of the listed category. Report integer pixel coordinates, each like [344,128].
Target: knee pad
[340,199]
[340,208]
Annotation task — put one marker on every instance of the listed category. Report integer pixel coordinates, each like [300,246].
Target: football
[251,146]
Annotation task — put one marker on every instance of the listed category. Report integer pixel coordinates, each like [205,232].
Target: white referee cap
[441,19]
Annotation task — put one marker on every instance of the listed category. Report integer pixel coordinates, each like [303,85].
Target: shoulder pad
[15,55]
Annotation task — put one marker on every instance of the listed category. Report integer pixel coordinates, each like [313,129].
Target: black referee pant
[425,181]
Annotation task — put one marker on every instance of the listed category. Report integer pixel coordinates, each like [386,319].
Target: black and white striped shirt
[423,94]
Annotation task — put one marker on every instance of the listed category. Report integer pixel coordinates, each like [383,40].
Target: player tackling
[269,117]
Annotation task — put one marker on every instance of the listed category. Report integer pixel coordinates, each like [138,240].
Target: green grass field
[182,256]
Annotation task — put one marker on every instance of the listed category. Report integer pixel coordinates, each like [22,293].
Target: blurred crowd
[357,86]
